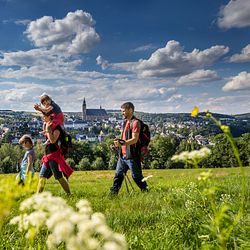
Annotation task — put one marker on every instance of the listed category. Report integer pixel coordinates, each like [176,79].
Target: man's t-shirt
[135,129]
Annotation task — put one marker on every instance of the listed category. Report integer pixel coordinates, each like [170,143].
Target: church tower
[84,110]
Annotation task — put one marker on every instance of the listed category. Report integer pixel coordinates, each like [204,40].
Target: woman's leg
[59,176]
[64,185]
[41,184]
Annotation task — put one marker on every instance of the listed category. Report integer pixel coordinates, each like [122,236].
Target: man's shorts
[46,172]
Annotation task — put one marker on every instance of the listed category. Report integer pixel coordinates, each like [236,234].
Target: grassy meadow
[181,211]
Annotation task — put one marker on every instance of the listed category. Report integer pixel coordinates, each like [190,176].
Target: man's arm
[133,140]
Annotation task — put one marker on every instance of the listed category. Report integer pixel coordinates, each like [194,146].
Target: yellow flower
[225,129]
[195,111]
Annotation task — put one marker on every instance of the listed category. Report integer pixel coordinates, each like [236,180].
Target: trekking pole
[130,182]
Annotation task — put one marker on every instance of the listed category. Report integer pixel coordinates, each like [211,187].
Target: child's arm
[42,109]
[30,164]
[46,110]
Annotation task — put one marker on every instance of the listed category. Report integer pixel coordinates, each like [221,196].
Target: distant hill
[243,116]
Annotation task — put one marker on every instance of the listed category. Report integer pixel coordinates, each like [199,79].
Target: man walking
[129,157]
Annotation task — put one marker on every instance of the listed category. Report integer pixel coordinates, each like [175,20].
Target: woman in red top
[53,161]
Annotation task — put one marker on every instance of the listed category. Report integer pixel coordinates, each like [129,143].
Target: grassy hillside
[177,213]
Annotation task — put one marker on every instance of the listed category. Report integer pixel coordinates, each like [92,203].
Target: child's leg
[44,127]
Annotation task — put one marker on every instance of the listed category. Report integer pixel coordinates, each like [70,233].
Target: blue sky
[164,56]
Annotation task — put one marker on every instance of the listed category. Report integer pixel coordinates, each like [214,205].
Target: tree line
[98,156]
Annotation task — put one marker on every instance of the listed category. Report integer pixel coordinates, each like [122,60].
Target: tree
[10,156]
[98,164]
[84,164]
[222,155]
[161,148]
[80,150]
[243,144]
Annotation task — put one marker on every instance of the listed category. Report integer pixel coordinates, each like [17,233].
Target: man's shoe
[113,192]
[145,190]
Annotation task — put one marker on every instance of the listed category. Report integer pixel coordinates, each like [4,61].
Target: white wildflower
[79,230]
[111,245]
[63,231]
[84,207]
[37,218]
[193,157]
[51,242]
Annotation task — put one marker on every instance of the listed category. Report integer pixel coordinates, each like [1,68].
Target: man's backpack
[144,140]
[65,142]
[141,147]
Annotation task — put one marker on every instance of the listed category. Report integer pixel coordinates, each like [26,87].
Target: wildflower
[225,198]
[193,157]
[79,229]
[225,129]
[195,111]
[205,175]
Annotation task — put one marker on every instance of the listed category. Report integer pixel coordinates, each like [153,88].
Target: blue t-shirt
[24,164]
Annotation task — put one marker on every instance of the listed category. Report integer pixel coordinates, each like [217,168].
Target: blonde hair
[25,138]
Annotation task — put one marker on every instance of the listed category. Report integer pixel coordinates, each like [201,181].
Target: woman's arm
[52,135]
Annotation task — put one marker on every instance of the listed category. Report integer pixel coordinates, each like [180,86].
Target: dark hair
[128,105]
[44,97]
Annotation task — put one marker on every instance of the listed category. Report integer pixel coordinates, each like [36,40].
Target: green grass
[173,215]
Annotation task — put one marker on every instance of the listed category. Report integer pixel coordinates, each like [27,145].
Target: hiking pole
[130,182]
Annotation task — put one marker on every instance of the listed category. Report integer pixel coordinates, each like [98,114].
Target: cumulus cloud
[239,82]
[73,34]
[37,57]
[199,76]
[172,61]
[244,56]
[235,14]
[102,62]
[22,95]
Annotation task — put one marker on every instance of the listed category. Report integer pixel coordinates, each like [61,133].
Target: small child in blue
[28,159]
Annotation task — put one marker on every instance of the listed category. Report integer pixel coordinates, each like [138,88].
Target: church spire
[84,110]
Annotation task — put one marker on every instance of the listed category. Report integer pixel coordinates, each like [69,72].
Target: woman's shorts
[52,168]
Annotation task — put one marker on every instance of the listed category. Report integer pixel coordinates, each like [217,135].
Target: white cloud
[102,62]
[22,22]
[37,57]
[199,76]
[227,104]
[172,61]
[73,34]
[144,48]
[239,82]
[235,14]
[110,93]
[244,56]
